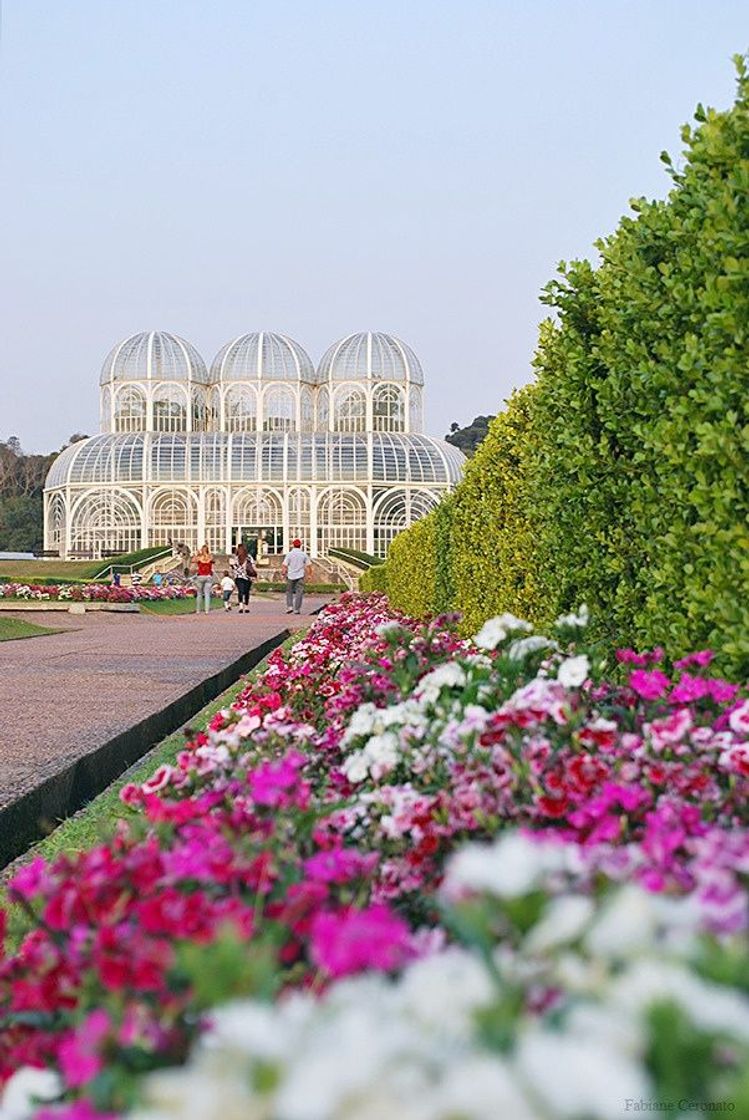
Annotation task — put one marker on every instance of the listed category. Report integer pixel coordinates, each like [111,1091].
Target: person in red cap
[294,569]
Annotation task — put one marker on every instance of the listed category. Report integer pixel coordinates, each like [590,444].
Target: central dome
[370,356]
[154,356]
[263,356]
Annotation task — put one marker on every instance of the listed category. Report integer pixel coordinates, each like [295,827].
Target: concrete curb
[31,816]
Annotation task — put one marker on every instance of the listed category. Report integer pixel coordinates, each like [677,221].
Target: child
[227,586]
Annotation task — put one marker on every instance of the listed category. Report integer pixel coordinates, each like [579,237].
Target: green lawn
[12,628]
[175,606]
[28,571]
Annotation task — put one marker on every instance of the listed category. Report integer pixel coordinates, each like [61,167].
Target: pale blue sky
[320,167]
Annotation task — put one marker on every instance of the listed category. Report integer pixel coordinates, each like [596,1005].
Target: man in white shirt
[294,567]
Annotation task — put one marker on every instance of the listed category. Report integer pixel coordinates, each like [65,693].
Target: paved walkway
[63,695]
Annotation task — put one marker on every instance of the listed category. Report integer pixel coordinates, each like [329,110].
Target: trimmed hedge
[355,556]
[374,579]
[620,478]
[493,540]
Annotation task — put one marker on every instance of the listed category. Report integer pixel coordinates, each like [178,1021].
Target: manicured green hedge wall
[620,477]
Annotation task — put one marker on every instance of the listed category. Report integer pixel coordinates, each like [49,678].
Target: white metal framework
[263,444]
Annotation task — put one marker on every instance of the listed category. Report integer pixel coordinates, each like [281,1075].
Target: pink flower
[702,658]
[689,689]
[29,880]
[672,729]
[339,865]
[649,683]
[79,1057]
[351,940]
[158,780]
[736,759]
[630,657]
[273,783]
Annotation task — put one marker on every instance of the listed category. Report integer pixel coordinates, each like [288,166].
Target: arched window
[279,410]
[214,411]
[169,409]
[307,409]
[214,508]
[174,516]
[323,408]
[240,409]
[56,524]
[341,520]
[395,510]
[199,409]
[388,409]
[130,410]
[258,513]
[350,410]
[105,521]
[299,514]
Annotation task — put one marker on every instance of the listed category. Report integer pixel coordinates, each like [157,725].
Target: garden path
[63,695]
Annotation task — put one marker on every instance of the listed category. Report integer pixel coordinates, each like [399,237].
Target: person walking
[244,573]
[294,568]
[203,562]
[227,589]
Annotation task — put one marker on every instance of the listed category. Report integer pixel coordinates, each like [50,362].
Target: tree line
[22,478]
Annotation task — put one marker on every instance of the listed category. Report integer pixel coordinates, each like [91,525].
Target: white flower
[523,646]
[360,722]
[25,1089]
[564,920]
[573,671]
[442,992]
[355,767]
[495,630]
[389,627]
[483,1088]
[449,675]
[512,866]
[712,1007]
[578,620]
[576,1075]
[382,753]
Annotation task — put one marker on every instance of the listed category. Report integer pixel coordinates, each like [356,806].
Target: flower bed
[550,854]
[91,593]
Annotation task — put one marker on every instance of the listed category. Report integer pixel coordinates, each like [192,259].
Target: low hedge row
[355,556]
[620,477]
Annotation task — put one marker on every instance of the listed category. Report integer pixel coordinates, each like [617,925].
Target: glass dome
[154,356]
[212,458]
[263,356]
[370,356]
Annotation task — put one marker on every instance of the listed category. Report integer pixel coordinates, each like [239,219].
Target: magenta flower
[351,940]
[79,1053]
[649,683]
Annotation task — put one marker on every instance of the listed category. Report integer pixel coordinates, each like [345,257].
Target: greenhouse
[261,444]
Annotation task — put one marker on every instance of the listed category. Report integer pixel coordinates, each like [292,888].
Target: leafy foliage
[469,438]
[621,477]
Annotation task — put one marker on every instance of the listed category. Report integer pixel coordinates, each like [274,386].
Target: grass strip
[92,824]
[13,628]
[174,606]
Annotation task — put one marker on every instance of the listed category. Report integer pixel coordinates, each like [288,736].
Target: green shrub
[642,481]
[412,569]
[493,563]
[374,579]
[620,478]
